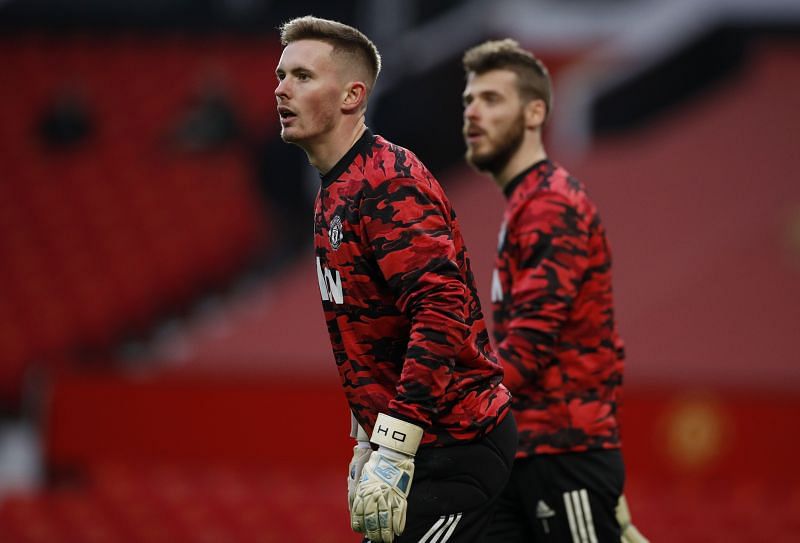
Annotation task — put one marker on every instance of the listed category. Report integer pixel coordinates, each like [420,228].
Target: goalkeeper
[402,311]
[553,314]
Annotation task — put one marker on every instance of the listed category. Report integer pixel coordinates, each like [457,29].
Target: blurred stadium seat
[101,241]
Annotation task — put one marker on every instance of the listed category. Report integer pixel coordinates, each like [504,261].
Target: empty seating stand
[98,241]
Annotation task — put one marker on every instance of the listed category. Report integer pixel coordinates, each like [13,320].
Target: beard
[503,149]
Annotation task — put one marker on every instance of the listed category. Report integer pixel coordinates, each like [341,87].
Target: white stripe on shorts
[579,515]
[587,513]
[452,528]
[444,528]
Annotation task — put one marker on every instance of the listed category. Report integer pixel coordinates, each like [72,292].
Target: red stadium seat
[110,235]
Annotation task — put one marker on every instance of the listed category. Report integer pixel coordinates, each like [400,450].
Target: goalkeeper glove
[629,532]
[361,453]
[379,506]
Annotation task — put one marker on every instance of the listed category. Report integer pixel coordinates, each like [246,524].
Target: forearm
[438,332]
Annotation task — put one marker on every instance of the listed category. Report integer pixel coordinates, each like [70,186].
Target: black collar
[361,145]
[508,190]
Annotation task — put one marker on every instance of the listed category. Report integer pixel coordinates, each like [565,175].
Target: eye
[302,76]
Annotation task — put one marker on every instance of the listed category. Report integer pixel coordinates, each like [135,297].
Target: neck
[528,154]
[324,155]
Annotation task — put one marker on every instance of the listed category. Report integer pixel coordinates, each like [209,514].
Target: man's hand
[361,454]
[379,505]
[379,508]
[629,532]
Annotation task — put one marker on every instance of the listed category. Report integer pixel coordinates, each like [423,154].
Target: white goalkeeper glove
[629,532]
[379,506]
[361,453]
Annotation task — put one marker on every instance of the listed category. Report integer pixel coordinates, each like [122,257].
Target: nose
[471,111]
[281,91]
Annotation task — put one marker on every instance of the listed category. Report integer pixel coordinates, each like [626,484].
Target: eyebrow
[482,93]
[295,70]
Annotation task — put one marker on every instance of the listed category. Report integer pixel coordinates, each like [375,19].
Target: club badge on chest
[335,232]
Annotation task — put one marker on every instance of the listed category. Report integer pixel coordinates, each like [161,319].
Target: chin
[289,138]
[479,162]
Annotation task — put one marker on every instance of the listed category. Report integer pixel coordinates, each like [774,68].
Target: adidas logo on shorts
[543,510]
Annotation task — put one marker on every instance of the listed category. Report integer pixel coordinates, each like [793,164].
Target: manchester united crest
[335,232]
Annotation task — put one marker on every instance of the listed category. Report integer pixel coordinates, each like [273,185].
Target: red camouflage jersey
[402,311]
[554,317]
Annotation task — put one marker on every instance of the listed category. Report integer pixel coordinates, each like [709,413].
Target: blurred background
[165,374]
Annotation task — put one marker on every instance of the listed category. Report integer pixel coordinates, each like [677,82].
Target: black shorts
[455,489]
[568,498]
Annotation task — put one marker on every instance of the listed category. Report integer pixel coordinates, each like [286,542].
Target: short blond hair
[343,38]
[533,79]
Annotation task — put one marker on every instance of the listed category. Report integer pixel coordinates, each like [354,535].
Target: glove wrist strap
[397,435]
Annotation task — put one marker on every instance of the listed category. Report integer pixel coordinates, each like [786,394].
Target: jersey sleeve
[549,246]
[409,230]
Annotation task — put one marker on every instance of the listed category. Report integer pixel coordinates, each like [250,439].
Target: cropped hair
[344,39]
[533,79]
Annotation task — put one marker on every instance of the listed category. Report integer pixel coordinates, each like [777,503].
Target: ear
[535,113]
[355,96]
